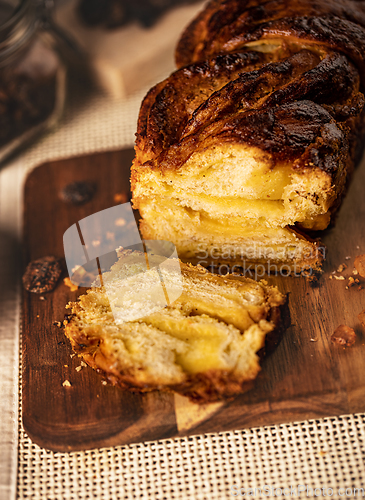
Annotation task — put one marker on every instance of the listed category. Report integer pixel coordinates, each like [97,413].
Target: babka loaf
[203,345]
[244,153]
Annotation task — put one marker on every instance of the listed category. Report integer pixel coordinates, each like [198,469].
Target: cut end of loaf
[229,205]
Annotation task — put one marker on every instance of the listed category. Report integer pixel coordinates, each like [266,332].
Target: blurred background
[58,56]
[127,44]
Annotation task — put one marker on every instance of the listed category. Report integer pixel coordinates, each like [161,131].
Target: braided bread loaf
[246,150]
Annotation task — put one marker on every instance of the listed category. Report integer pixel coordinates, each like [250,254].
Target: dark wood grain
[305,377]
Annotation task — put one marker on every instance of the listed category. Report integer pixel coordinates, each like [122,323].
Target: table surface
[322,453]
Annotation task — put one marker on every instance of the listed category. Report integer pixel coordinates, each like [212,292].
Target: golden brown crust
[213,385]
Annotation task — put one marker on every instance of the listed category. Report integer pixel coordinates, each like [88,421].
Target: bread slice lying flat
[203,345]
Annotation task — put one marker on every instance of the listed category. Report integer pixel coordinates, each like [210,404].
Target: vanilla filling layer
[214,325]
[206,239]
[245,185]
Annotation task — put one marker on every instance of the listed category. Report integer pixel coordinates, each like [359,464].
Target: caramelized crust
[168,107]
[227,25]
[300,132]
[205,102]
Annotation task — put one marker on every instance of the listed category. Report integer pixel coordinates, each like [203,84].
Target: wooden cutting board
[305,377]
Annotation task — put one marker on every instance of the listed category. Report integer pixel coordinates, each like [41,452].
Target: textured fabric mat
[327,453]
[320,458]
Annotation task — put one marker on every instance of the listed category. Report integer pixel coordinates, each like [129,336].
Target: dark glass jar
[32,75]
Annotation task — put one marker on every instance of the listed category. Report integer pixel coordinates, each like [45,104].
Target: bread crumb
[72,355]
[57,323]
[42,298]
[344,335]
[360,265]
[83,364]
[348,257]
[71,286]
[341,268]
[340,278]
[78,368]
[120,198]
[66,383]
[331,277]
[351,281]
[104,382]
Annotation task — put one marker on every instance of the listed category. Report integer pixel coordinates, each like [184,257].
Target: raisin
[41,275]
[78,193]
[344,335]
